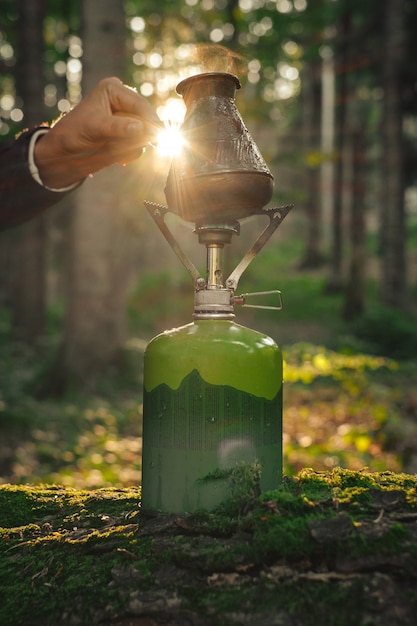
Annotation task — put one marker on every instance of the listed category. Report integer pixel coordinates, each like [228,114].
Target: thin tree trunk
[336,278]
[355,289]
[327,132]
[95,328]
[393,282]
[28,243]
[311,124]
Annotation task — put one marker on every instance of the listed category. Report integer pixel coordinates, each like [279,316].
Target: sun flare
[170,140]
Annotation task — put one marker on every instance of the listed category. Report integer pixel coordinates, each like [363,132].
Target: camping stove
[213,388]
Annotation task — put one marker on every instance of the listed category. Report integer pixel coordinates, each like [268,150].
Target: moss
[52,574]
[20,504]
[65,549]
[299,552]
[283,604]
[244,487]
[282,538]
[215,523]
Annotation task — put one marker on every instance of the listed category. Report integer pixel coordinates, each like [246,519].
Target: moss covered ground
[334,548]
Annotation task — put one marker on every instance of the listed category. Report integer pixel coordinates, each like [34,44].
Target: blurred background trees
[328,93]
[95,328]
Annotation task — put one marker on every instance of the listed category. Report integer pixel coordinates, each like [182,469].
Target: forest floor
[337,548]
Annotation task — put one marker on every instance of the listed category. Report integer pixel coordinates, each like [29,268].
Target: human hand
[112,124]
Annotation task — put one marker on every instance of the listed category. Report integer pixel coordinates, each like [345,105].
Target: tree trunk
[355,289]
[336,278]
[28,243]
[393,282]
[311,124]
[95,328]
[327,138]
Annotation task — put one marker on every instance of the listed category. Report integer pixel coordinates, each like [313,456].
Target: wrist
[52,173]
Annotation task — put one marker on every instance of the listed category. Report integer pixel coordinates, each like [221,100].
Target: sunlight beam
[170,140]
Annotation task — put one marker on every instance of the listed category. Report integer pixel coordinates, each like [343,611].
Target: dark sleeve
[21,197]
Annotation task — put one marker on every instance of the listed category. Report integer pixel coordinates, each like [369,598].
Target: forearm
[112,124]
[21,197]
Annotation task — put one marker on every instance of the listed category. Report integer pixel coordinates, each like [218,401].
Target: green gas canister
[212,401]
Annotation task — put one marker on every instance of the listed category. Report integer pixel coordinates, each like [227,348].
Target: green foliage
[341,408]
[306,362]
[412,231]
[344,409]
[388,332]
[83,439]
[151,305]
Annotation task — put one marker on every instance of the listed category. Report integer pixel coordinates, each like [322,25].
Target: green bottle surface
[212,400]
[223,352]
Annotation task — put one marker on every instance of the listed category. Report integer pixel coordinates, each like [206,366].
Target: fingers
[130,116]
[124,99]
[134,128]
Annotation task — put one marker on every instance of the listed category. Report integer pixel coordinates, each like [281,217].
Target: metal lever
[276,216]
[158,212]
[242,300]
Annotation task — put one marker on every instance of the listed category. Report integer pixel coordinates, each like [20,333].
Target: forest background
[329,91]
